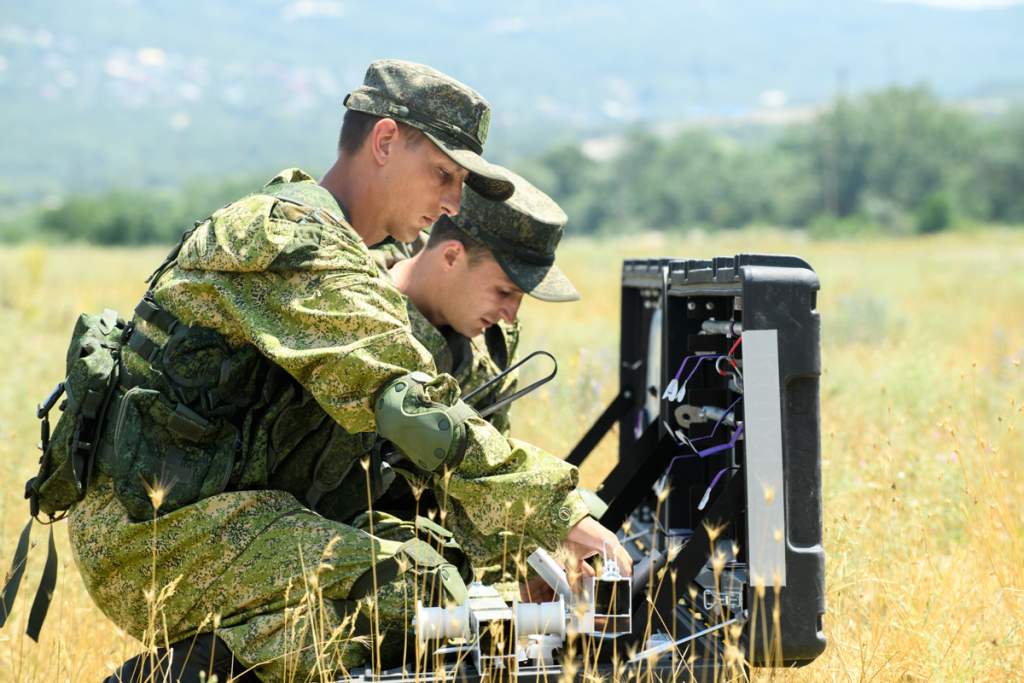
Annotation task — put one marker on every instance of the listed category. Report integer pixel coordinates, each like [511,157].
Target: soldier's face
[423,183]
[479,295]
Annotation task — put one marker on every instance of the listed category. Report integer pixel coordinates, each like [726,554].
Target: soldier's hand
[589,538]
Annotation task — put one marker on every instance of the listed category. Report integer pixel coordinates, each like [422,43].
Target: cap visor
[485,178]
[547,283]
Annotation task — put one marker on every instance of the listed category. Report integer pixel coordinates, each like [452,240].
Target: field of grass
[922,414]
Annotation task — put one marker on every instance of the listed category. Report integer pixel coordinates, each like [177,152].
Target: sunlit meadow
[922,409]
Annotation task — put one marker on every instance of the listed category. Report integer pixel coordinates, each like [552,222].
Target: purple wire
[711,486]
[720,419]
[718,476]
[724,446]
[711,450]
[700,359]
[696,366]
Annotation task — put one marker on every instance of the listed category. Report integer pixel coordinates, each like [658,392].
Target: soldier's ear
[451,252]
[383,137]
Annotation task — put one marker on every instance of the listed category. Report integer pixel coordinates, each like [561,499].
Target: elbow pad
[432,435]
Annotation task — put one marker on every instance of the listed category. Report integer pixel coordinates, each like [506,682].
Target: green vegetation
[125,216]
[897,161]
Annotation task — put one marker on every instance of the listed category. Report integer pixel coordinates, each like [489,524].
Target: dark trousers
[192,660]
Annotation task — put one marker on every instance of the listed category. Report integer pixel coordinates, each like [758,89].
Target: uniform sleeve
[511,485]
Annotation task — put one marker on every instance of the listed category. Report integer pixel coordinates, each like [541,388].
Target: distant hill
[126,92]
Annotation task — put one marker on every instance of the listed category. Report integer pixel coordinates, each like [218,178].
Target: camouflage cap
[522,232]
[454,116]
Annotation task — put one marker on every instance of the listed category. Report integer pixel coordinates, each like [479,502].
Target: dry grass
[922,409]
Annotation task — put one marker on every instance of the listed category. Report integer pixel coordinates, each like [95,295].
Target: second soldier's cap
[522,232]
[454,116]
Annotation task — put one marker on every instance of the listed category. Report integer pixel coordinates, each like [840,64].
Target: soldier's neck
[416,280]
[350,189]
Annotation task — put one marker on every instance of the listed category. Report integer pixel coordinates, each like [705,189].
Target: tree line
[895,161]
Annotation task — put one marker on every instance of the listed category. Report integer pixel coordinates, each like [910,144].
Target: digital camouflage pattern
[453,115]
[389,252]
[245,562]
[522,232]
[292,280]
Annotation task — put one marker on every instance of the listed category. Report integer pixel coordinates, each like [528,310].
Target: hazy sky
[962,4]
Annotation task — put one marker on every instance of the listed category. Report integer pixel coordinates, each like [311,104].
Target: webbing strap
[44,594]
[171,257]
[143,345]
[154,314]
[15,574]
[92,403]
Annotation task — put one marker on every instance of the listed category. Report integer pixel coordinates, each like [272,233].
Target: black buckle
[43,413]
[43,408]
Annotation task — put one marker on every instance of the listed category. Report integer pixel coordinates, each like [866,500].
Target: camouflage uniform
[262,417]
[263,272]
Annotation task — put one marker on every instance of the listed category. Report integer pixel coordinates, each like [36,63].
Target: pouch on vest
[65,467]
[167,455]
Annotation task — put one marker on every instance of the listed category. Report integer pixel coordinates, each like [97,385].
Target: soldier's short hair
[356,127]
[444,230]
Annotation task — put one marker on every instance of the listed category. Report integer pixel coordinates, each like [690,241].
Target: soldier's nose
[451,199]
[510,310]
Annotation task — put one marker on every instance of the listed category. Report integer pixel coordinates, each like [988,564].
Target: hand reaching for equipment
[589,538]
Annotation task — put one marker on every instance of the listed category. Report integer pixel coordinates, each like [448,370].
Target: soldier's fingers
[624,560]
[613,549]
